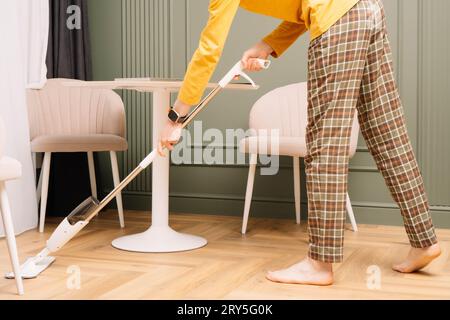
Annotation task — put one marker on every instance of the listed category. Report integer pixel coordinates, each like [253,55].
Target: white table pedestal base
[159,239]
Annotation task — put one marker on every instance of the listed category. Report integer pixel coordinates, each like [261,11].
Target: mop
[88,209]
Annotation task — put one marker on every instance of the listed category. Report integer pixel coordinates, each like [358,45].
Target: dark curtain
[69,51]
[68,56]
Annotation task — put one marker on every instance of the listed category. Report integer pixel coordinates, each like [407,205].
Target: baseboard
[365,212]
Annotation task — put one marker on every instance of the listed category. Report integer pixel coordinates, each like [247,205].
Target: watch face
[173,116]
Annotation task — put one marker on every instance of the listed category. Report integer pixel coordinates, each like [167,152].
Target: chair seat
[10,169]
[79,143]
[288,146]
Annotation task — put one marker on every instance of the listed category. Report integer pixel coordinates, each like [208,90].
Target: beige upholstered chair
[70,119]
[284,109]
[10,169]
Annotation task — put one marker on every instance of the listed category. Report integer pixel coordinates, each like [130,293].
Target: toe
[271,276]
[402,268]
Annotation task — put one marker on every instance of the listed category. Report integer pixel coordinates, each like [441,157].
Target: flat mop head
[33,266]
[65,231]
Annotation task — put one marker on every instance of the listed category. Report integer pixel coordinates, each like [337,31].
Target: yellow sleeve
[284,36]
[205,58]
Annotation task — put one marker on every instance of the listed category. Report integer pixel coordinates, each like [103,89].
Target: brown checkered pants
[350,69]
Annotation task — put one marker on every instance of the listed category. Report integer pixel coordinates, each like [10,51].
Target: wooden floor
[231,266]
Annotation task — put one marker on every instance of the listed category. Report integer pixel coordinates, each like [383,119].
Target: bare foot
[418,259]
[308,271]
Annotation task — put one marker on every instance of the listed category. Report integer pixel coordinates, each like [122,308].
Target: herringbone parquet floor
[231,266]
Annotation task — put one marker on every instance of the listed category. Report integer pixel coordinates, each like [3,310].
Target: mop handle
[133,174]
[237,70]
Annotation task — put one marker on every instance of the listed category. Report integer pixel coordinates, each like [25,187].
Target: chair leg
[249,192]
[45,176]
[116,179]
[39,186]
[297,190]
[34,159]
[90,156]
[10,237]
[351,215]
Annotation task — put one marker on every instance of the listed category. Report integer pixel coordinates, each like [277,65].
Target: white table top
[147,85]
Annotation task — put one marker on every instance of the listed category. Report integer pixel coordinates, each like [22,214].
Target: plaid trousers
[350,70]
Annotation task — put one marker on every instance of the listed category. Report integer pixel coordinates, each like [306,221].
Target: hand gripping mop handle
[81,216]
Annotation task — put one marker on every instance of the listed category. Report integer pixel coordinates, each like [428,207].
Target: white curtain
[24,28]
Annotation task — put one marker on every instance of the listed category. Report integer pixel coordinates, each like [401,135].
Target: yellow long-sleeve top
[317,16]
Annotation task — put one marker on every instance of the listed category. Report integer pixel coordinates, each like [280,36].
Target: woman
[349,70]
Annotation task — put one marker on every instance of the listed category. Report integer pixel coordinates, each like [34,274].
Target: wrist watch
[175,117]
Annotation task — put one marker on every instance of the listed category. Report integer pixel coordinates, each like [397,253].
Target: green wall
[142,38]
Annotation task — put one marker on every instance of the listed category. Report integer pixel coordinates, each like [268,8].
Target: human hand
[171,133]
[169,136]
[261,50]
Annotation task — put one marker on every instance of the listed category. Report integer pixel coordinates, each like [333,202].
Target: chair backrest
[286,109]
[60,110]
